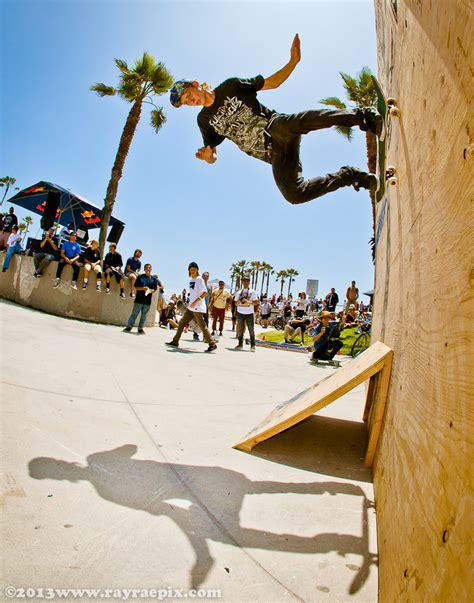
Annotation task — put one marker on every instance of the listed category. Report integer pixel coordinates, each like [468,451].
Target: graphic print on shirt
[236,121]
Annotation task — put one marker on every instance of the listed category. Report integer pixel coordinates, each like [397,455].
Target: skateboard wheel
[393,181]
[391,171]
[391,100]
[394,112]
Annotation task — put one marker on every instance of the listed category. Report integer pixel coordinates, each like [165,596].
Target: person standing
[266,311]
[195,310]
[13,246]
[48,252]
[352,295]
[246,300]
[145,284]
[301,305]
[220,299]
[331,300]
[9,221]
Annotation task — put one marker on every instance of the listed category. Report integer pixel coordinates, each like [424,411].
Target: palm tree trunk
[282,285]
[124,146]
[289,286]
[268,282]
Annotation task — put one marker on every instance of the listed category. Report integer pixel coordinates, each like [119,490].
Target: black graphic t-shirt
[237,114]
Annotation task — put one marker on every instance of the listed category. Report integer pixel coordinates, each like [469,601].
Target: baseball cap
[193,265]
[177,90]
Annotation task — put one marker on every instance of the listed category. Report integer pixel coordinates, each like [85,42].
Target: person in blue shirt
[132,268]
[326,342]
[70,254]
[145,285]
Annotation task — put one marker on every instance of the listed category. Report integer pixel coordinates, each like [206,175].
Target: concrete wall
[423,304]
[18,285]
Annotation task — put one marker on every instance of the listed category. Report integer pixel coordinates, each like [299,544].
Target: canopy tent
[72,207]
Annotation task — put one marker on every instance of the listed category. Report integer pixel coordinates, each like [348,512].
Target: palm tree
[263,270]
[241,268]
[25,226]
[360,90]
[281,276]
[269,271]
[291,273]
[233,275]
[137,85]
[7,181]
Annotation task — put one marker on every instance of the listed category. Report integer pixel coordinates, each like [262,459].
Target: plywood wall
[423,472]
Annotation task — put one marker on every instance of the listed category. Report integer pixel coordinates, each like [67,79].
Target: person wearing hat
[195,310]
[325,345]
[246,300]
[168,316]
[233,111]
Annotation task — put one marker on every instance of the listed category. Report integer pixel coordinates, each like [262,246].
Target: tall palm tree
[291,273]
[253,271]
[242,266]
[360,90]
[7,181]
[263,270]
[233,275]
[281,276]
[137,85]
[269,271]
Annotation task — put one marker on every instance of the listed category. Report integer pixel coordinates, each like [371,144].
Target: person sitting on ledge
[91,257]
[132,268]
[113,265]
[48,252]
[144,286]
[13,246]
[70,254]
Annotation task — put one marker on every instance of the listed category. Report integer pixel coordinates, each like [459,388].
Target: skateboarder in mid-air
[233,111]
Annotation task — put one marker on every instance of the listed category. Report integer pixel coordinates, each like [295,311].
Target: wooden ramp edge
[374,364]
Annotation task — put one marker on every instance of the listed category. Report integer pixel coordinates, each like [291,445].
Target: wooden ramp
[374,364]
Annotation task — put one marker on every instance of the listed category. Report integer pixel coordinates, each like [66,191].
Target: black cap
[193,265]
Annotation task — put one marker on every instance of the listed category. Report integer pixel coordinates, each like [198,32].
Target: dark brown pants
[187,317]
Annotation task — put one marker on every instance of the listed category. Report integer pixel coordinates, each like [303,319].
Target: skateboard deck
[386,108]
[334,363]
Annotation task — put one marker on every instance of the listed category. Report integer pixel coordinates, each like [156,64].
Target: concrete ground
[119,470]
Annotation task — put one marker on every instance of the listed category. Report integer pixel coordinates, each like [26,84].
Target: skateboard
[334,363]
[387,108]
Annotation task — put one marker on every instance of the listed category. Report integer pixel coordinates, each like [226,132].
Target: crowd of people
[201,303]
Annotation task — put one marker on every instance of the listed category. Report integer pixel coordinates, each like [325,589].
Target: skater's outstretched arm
[207,154]
[275,80]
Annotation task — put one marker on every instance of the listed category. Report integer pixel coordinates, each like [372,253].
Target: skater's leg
[184,322]
[284,127]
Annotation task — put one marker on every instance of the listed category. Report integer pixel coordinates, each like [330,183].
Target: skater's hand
[295,52]
[206,154]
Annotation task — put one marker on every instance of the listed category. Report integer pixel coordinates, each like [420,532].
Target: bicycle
[363,341]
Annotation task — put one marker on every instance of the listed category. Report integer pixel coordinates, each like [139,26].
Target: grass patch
[348,336]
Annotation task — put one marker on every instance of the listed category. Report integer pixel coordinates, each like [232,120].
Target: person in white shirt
[195,310]
[246,300]
[301,305]
[265,310]
[13,246]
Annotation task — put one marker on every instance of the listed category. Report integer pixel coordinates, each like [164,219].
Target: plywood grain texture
[423,308]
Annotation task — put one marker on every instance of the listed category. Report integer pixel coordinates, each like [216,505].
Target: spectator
[66,231]
[113,265]
[220,300]
[91,259]
[266,311]
[13,246]
[145,284]
[132,268]
[301,305]
[331,300]
[287,310]
[233,309]
[9,221]
[168,316]
[195,310]
[48,252]
[70,254]
[294,328]
[352,295]
[325,345]
[246,300]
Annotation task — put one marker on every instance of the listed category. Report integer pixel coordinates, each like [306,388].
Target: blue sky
[176,208]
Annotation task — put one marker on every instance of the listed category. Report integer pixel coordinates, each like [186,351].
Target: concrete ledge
[17,284]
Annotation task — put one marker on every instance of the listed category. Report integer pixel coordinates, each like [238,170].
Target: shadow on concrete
[212,498]
[323,445]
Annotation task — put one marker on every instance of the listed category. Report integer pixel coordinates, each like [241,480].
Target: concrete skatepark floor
[119,472]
